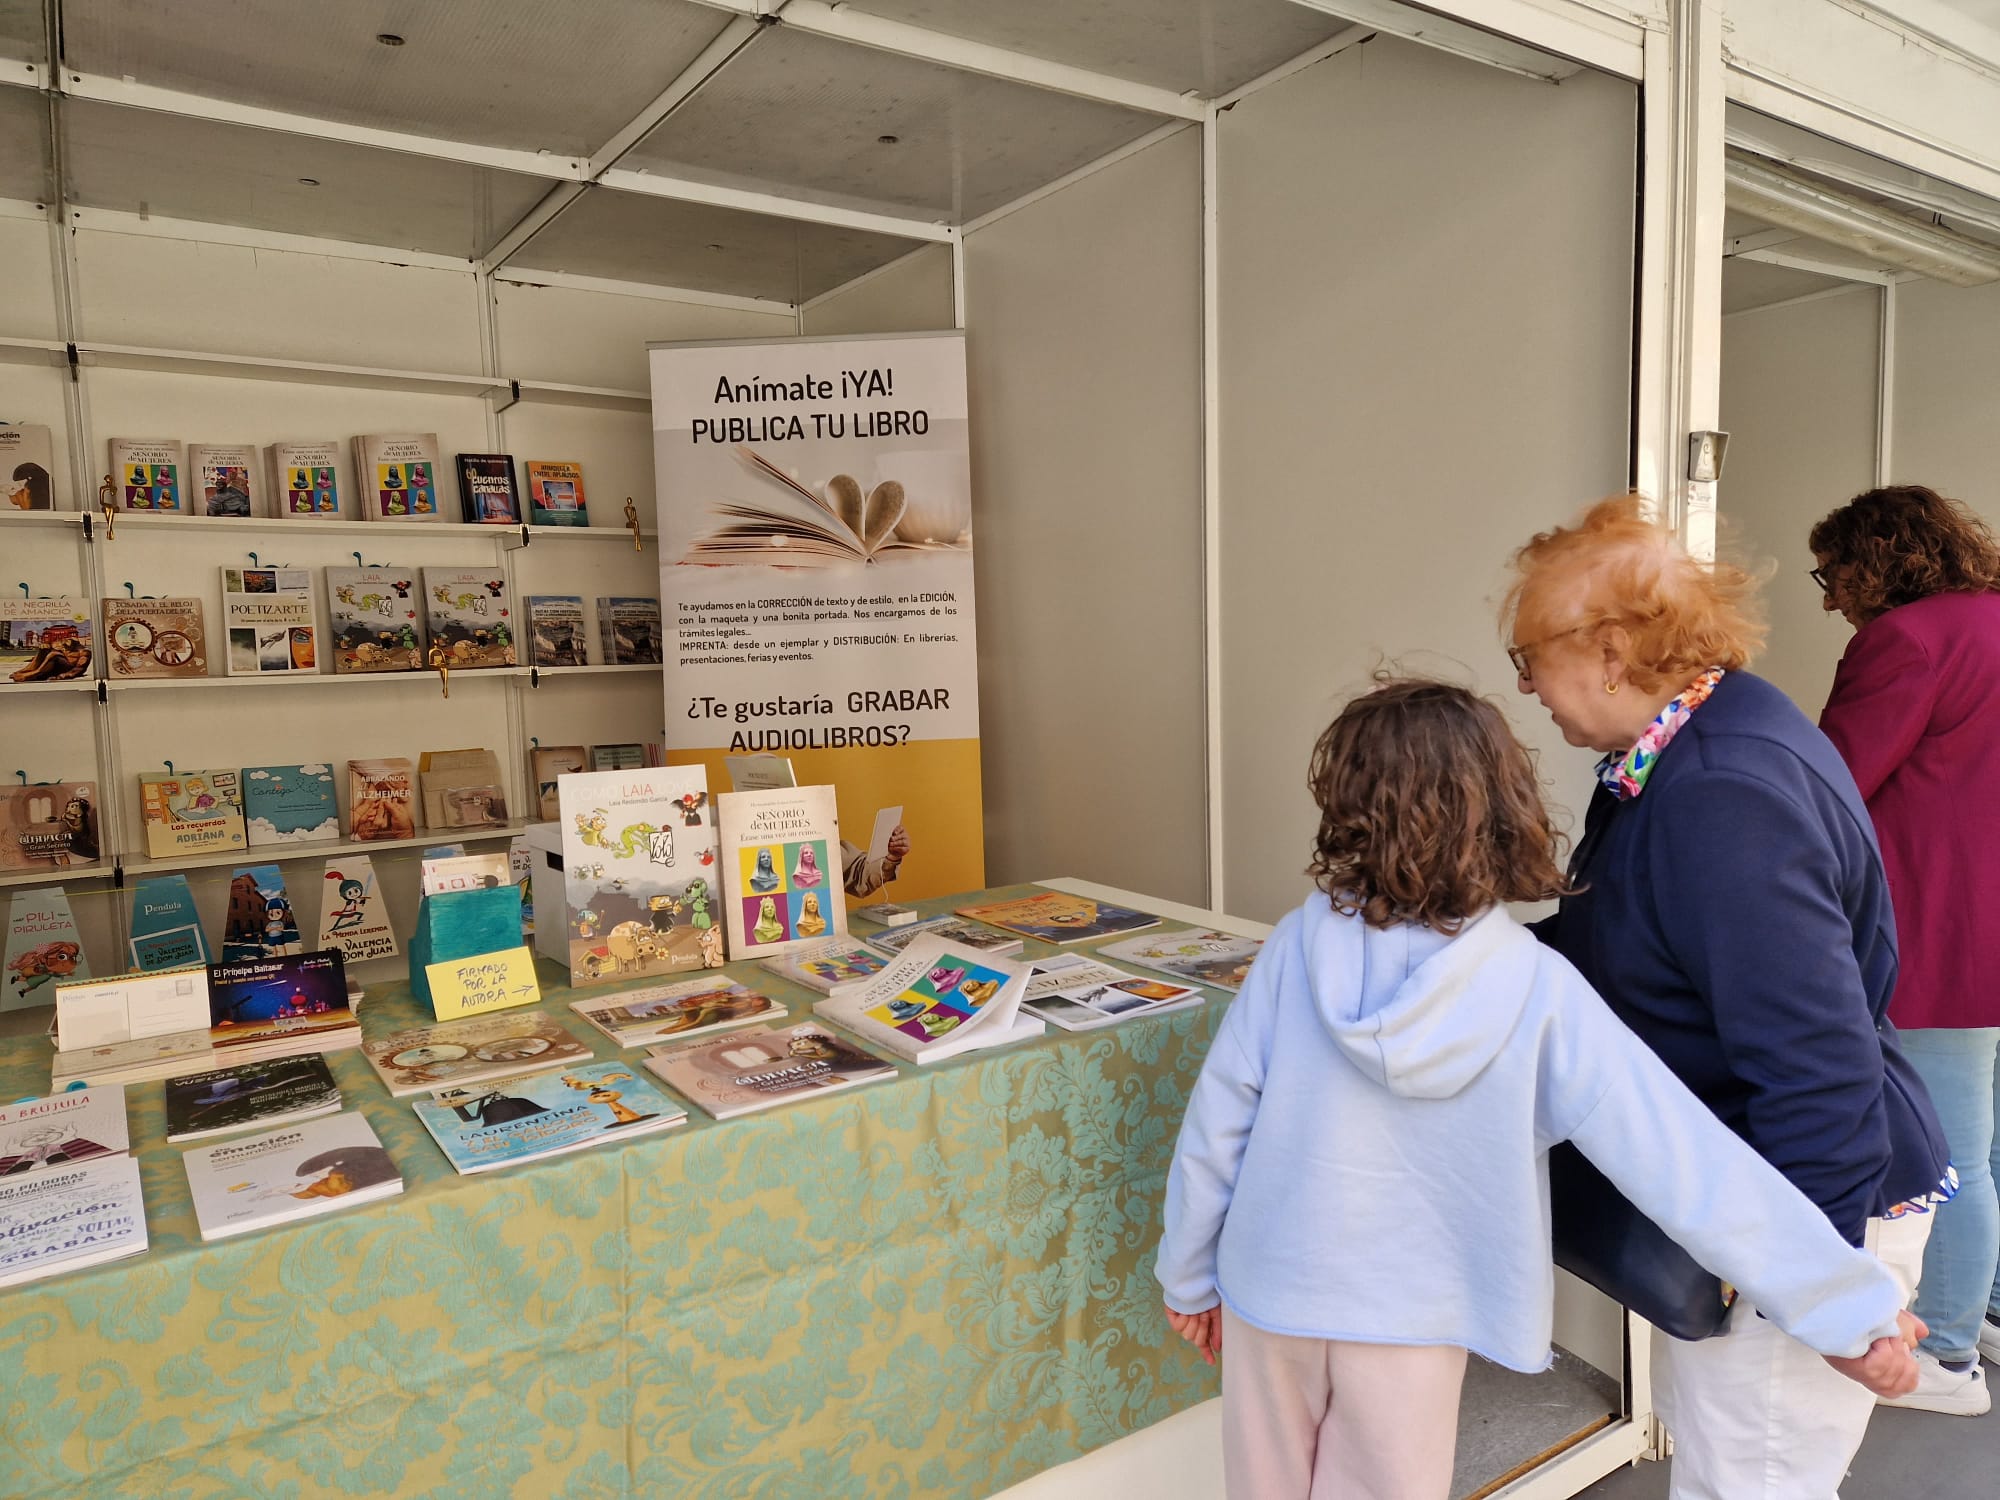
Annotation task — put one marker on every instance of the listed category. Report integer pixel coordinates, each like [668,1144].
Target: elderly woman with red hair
[1732,909]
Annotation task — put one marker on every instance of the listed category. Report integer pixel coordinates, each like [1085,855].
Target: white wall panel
[599,338]
[1947,407]
[911,295]
[27,290]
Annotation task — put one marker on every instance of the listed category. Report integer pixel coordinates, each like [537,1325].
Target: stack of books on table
[69,1187]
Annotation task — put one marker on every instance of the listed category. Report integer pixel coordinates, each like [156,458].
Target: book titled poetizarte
[270,622]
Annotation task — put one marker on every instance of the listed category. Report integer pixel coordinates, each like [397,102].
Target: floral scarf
[1625,776]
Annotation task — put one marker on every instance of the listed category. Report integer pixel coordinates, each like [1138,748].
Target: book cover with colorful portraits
[147,474]
[399,475]
[308,478]
[934,1001]
[781,868]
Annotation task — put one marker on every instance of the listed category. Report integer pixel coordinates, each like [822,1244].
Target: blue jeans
[1961,1284]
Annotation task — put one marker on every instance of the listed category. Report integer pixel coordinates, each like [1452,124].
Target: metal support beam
[1596,46]
[687,190]
[1763,239]
[1211,505]
[1820,266]
[1885,390]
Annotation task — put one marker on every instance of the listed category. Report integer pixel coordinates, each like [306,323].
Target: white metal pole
[1885,390]
[1211,506]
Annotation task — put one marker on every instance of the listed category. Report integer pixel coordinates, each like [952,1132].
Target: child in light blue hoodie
[1360,1190]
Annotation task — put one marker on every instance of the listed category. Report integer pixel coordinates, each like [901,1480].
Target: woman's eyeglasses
[1819,576]
[1518,655]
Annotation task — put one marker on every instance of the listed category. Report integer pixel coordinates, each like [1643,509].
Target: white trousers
[1312,1419]
[1755,1414]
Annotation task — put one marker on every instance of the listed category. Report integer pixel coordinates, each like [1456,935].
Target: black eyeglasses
[1818,576]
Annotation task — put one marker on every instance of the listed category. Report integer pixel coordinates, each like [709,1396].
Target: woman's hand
[1202,1329]
[1888,1368]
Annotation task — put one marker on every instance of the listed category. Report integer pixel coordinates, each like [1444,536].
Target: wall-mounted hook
[24,777]
[357,560]
[535,741]
[23,588]
[253,559]
[130,592]
[170,767]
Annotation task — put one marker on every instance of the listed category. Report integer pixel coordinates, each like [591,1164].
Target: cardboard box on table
[544,841]
[460,924]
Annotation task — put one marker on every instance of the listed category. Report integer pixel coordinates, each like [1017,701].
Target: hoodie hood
[1417,1011]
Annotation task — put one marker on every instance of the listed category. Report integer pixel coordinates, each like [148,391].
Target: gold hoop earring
[1610,687]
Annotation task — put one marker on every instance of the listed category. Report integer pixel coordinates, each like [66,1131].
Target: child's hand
[1202,1329]
[1888,1368]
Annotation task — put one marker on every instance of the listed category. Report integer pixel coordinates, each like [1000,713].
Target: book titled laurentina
[147,475]
[290,804]
[398,474]
[470,614]
[308,478]
[531,1115]
[486,489]
[269,621]
[296,1172]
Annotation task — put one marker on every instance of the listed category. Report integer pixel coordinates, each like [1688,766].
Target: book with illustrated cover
[953,930]
[486,489]
[63,1130]
[545,764]
[258,922]
[1077,993]
[147,473]
[192,812]
[555,631]
[294,1172]
[273,1092]
[398,475]
[374,619]
[936,1000]
[470,614]
[308,478]
[166,932]
[43,640]
[27,466]
[51,1222]
[765,1066]
[154,638]
[52,825]
[787,523]
[1055,917]
[1191,954]
[43,946]
[780,868]
[833,966]
[225,479]
[353,917]
[269,620]
[639,873]
[294,999]
[628,629]
[529,1116]
[456,1054]
[555,493]
[887,914]
[382,798]
[668,1012]
[290,804]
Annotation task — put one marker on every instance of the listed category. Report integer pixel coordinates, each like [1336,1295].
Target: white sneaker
[1989,1339]
[1956,1393]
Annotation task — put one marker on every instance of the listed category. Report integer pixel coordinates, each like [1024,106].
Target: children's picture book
[461,789]
[192,812]
[934,1001]
[398,473]
[555,631]
[308,478]
[781,868]
[51,1222]
[43,945]
[295,997]
[275,1091]
[353,917]
[44,640]
[51,825]
[270,622]
[456,1054]
[955,930]
[226,478]
[259,921]
[545,764]
[166,933]
[147,473]
[294,1172]
[833,966]
[382,798]
[639,873]
[481,871]
[154,638]
[61,1130]
[486,489]
[481,1126]
[618,758]
[27,466]
[887,914]
[628,629]
[663,1012]
[792,524]
[470,615]
[1055,917]
[1077,993]
[1191,954]
[765,1066]
[290,804]
[103,1012]
[555,493]
[374,619]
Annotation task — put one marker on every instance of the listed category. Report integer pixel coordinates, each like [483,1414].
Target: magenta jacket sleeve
[1881,702]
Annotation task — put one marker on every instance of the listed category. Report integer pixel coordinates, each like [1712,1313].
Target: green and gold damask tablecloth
[934,1286]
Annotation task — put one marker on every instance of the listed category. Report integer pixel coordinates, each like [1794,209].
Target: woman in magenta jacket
[1915,710]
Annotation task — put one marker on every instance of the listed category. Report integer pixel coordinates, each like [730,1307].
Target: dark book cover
[487,490]
[285,1088]
[265,998]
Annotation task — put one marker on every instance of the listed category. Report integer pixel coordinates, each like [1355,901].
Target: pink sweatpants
[1311,1419]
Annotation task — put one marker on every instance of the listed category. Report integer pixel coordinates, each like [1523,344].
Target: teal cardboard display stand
[459,924]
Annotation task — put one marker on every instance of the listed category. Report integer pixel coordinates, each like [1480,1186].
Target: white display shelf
[618,533]
[48,518]
[101,869]
[33,352]
[296,679]
[604,397]
[295,371]
[287,527]
[74,685]
[138,866]
[542,675]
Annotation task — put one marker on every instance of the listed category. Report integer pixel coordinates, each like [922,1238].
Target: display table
[934,1286]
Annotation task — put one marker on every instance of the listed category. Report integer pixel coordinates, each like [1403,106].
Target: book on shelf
[307,478]
[270,621]
[382,798]
[628,630]
[639,861]
[887,914]
[469,613]
[294,1172]
[952,929]
[373,619]
[780,860]
[276,1091]
[290,804]
[937,1000]
[1077,993]
[52,1222]
[765,1066]
[258,921]
[63,1130]
[555,631]
[457,1054]
[130,1007]
[398,474]
[833,966]
[462,789]
[545,764]
[618,758]
[1192,954]
[225,479]
[192,812]
[528,1116]
[27,466]
[147,475]
[154,638]
[43,946]
[792,524]
[49,826]
[663,1012]
[486,489]
[555,493]
[1057,917]
[44,640]
[282,1006]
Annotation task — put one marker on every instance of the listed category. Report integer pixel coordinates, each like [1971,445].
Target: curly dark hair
[1905,543]
[1429,809]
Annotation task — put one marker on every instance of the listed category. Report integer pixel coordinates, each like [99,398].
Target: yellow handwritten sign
[486,981]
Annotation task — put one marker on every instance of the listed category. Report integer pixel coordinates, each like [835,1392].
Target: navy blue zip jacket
[1736,916]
